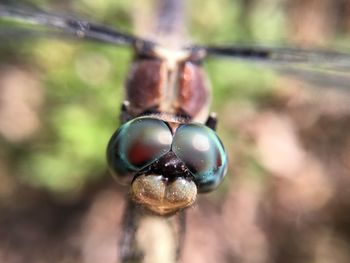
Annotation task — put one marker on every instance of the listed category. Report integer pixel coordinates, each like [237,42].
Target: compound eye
[138,143]
[203,153]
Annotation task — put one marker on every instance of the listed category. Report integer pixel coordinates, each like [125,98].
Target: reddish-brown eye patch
[138,143]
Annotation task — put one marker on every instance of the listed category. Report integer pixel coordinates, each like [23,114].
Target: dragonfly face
[167,162]
[167,158]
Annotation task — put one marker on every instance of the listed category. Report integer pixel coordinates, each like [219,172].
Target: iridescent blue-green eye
[137,144]
[203,153]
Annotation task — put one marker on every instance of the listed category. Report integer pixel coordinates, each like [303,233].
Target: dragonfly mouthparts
[165,187]
[162,196]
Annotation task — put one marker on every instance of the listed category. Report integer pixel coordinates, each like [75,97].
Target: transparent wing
[320,67]
[70,26]
[331,60]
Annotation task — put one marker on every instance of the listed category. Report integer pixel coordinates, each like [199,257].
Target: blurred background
[286,197]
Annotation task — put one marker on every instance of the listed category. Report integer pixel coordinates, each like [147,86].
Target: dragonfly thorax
[168,82]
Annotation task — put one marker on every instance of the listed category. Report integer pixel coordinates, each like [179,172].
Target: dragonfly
[166,150]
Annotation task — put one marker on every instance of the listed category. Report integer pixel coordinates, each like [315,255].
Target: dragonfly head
[166,163]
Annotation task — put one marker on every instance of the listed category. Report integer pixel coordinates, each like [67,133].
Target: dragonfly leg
[212,121]
[181,233]
[125,114]
[128,251]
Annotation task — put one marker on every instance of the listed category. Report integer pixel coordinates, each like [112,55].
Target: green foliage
[239,81]
[81,113]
